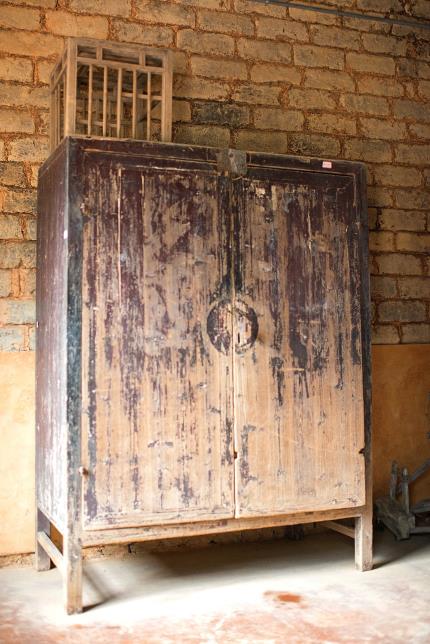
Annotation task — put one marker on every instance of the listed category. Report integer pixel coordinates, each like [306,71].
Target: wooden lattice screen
[99,88]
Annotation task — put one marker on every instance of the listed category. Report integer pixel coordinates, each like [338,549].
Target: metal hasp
[203,347]
[395,513]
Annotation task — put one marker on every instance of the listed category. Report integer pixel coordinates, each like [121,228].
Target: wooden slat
[134,106]
[119,65]
[90,99]
[105,99]
[70,89]
[339,527]
[51,549]
[148,533]
[42,559]
[148,108]
[364,540]
[166,104]
[119,103]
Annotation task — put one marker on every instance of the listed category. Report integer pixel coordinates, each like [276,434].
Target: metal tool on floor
[394,511]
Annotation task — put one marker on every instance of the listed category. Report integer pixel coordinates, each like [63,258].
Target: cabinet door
[298,389]
[157,429]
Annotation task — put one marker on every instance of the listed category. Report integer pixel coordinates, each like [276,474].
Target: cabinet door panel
[157,432]
[298,390]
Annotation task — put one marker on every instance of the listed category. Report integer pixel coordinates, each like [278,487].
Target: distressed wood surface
[157,426]
[298,391]
[225,345]
[196,528]
[51,364]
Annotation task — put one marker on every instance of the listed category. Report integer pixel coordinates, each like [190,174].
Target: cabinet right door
[299,423]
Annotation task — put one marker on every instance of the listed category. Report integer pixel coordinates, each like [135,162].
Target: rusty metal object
[396,513]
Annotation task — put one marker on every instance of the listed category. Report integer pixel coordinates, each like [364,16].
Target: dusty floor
[281,591]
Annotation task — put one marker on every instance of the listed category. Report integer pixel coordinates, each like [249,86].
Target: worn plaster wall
[250,76]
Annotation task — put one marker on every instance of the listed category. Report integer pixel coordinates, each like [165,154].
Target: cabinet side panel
[51,340]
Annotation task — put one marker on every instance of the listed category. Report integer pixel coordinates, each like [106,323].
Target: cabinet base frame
[70,561]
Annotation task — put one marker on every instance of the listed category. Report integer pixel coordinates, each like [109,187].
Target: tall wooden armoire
[202,346]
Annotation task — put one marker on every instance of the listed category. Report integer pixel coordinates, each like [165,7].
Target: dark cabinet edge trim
[178,151]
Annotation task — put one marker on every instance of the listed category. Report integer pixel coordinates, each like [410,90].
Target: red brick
[228,23]
[144,34]
[278,119]
[211,135]
[19,18]
[165,13]
[380,86]
[398,264]
[367,104]
[412,242]
[400,311]
[205,43]
[69,24]
[326,79]
[191,87]
[281,29]
[413,199]
[390,175]
[256,94]
[383,65]
[16,69]
[17,311]
[18,42]
[309,99]
[312,56]
[362,150]
[277,52]
[335,37]
[382,129]
[381,241]
[415,154]
[331,123]
[269,73]
[414,287]
[214,68]
[415,333]
[262,141]
[385,334]
[380,44]
[107,7]
[314,145]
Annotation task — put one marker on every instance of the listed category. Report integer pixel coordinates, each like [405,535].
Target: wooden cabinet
[202,346]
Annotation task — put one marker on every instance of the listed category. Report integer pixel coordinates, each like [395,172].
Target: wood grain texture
[298,392]
[204,322]
[51,329]
[157,396]
[195,528]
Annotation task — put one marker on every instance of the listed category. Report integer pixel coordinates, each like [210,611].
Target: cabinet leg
[72,577]
[41,558]
[364,542]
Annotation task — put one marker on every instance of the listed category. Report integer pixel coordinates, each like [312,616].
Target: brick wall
[254,77]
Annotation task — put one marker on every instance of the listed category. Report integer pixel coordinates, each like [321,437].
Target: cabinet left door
[157,439]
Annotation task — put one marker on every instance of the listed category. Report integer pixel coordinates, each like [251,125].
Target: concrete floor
[279,591]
